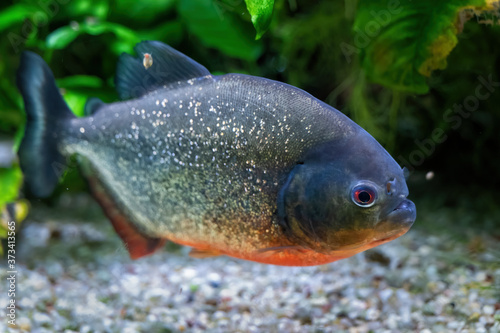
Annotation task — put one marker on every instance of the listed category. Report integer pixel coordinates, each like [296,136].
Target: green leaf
[261,12]
[76,99]
[63,36]
[169,32]
[215,27]
[72,10]
[75,90]
[402,42]
[147,11]
[3,232]
[14,14]
[10,182]
[18,137]
[79,81]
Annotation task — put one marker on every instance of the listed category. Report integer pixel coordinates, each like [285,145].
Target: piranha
[231,165]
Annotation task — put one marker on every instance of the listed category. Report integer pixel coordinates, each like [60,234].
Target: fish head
[346,196]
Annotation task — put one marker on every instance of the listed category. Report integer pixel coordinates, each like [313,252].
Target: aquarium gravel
[77,277]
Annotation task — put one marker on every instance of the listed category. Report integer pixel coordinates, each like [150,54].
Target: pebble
[414,289]
[488,310]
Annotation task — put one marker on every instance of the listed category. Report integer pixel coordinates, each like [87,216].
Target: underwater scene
[249,166]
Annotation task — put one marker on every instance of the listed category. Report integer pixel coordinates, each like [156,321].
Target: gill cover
[336,198]
[309,201]
[293,208]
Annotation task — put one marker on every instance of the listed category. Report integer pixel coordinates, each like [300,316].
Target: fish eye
[363,196]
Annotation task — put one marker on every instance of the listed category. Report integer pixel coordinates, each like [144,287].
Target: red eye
[363,196]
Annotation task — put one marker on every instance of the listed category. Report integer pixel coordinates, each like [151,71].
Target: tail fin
[46,114]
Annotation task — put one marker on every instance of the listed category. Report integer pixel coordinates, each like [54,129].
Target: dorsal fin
[92,105]
[165,66]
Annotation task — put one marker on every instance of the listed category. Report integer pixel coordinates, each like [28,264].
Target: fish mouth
[404,213]
[396,223]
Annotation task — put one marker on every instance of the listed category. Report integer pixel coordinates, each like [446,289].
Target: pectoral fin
[137,244]
[203,253]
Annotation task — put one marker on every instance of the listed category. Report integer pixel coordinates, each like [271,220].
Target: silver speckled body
[234,164]
[205,160]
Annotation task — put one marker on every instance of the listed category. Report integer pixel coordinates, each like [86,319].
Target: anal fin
[137,244]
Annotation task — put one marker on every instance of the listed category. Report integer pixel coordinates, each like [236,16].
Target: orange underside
[282,257]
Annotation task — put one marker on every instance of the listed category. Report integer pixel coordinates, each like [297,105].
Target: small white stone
[189,273]
[385,295]
[488,310]
[41,318]
[24,324]
[372,314]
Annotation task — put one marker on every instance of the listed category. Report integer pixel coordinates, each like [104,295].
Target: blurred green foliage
[310,44]
[402,42]
[10,181]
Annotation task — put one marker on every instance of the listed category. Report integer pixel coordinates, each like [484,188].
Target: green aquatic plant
[402,42]
[10,180]
[261,12]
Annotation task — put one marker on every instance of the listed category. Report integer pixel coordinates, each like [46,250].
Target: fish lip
[396,223]
[405,212]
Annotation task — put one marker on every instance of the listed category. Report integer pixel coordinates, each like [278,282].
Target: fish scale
[241,171]
[231,164]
